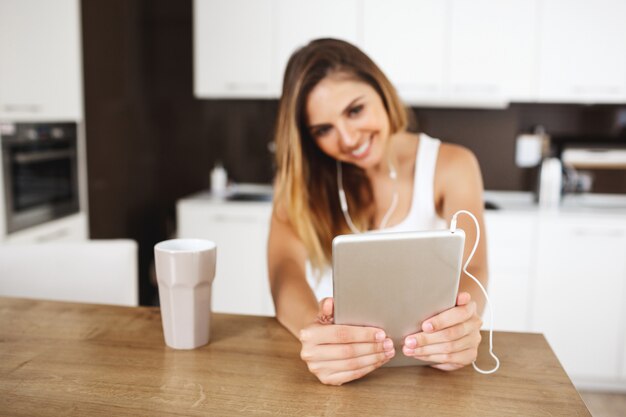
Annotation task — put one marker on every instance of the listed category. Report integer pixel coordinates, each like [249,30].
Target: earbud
[392,172]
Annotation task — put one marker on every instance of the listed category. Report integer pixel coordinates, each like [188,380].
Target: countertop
[502,200]
[570,203]
[66,359]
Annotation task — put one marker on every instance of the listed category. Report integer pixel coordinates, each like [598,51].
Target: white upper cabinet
[40,60]
[477,53]
[492,50]
[232,44]
[300,21]
[583,51]
[407,39]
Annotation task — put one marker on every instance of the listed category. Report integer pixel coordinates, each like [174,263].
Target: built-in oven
[40,170]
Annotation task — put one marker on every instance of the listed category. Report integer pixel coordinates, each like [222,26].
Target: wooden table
[66,359]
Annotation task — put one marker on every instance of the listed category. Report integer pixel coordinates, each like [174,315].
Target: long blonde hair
[307,177]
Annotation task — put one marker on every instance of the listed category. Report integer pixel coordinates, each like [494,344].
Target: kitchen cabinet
[299,21]
[444,53]
[579,293]
[40,65]
[454,52]
[511,239]
[492,50]
[623,347]
[94,271]
[582,55]
[407,39]
[240,230]
[242,46]
[233,44]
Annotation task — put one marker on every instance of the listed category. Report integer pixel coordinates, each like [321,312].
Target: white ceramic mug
[185,270]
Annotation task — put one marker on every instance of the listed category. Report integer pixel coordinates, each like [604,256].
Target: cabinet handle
[27,158]
[490,89]
[22,108]
[57,234]
[246,86]
[228,218]
[598,233]
[422,88]
[612,90]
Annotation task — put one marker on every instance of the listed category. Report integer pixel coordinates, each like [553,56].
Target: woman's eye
[321,131]
[355,110]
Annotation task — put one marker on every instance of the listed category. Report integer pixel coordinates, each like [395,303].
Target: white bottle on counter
[550,183]
[219,180]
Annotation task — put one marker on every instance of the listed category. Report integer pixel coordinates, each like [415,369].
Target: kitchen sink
[249,192]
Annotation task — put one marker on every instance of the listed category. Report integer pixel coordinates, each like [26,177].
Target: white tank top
[422,214]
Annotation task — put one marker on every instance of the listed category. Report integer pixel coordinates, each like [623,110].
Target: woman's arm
[294,301]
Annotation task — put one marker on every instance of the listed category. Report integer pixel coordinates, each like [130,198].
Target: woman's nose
[347,137]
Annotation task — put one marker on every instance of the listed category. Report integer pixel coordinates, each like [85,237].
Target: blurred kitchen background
[113,113]
[151,140]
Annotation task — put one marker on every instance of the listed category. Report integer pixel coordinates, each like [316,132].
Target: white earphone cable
[453,229]
[343,201]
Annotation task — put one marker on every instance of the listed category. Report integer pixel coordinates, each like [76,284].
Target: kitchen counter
[498,200]
[84,359]
[571,203]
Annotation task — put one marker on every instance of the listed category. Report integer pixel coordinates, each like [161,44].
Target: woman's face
[348,120]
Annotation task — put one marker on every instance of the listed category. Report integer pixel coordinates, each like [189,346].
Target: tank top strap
[424,181]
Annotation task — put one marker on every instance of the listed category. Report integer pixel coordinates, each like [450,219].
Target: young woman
[341,124]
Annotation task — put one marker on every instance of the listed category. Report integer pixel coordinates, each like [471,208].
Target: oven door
[41,182]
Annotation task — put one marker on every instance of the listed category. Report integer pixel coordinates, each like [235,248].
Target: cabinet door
[300,21]
[232,44]
[579,294]
[623,376]
[406,38]
[582,51]
[511,241]
[240,231]
[492,50]
[40,60]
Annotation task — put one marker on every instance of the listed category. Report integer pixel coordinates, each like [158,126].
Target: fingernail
[410,342]
[380,335]
[388,345]
[390,353]
[408,351]
[428,327]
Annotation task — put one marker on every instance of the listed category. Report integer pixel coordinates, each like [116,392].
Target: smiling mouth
[362,150]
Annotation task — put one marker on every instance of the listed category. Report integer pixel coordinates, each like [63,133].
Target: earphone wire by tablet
[471,255]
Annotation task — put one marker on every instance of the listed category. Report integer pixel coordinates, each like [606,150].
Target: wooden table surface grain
[69,359]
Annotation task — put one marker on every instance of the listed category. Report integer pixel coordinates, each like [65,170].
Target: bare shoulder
[456,162]
[456,158]
[457,175]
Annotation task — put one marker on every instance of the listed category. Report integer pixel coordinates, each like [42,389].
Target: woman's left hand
[450,339]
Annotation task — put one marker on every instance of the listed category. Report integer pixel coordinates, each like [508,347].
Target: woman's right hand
[337,354]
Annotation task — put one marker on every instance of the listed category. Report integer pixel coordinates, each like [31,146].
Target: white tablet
[395,281]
